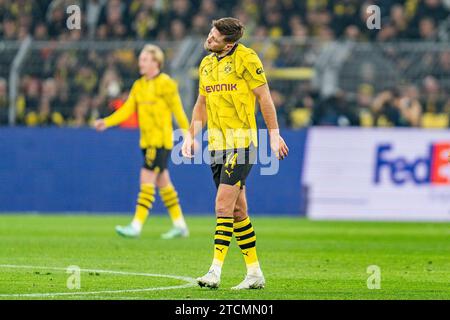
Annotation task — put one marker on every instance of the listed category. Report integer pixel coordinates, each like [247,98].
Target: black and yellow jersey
[154,100]
[227,84]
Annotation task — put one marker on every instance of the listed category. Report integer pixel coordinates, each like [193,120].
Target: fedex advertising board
[378,174]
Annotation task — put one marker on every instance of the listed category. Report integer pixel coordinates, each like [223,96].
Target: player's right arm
[199,118]
[119,116]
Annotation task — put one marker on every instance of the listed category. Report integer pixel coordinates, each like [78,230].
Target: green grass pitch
[301,259]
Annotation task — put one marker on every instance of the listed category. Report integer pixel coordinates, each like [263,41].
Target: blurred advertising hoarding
[378,174]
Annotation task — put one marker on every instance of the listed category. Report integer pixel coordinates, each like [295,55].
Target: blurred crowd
[73,88]
[175,19]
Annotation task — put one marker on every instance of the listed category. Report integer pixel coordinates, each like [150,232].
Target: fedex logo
[429,169]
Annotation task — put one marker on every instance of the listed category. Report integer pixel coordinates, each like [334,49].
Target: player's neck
[225,52]
[152,74]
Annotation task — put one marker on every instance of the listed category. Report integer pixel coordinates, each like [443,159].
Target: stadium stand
[396,76]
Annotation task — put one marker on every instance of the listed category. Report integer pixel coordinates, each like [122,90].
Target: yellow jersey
[154,100]
[227,84]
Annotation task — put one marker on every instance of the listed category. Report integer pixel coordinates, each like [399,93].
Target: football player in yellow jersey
[155,98]
[230,79]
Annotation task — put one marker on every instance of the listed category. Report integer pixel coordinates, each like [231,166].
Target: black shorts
[232,166]
[155,159]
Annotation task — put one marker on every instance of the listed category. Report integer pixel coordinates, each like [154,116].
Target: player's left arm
[253,73]
[277,143]
[120,115]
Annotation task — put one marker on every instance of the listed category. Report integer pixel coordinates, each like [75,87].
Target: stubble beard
[205,45]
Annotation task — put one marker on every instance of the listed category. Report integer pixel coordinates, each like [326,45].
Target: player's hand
[188,146]
[100,125]
[278,146]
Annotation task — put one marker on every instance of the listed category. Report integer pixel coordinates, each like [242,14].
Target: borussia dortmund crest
[227,68]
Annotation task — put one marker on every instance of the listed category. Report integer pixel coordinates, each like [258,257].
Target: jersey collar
[154,77]
[229,52]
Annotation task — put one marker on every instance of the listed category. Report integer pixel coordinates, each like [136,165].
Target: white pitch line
[190,282]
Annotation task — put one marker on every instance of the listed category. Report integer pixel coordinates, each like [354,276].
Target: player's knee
[223,208]
[161,183]
[239,214]
[163,179]
[240,210]
[147,177]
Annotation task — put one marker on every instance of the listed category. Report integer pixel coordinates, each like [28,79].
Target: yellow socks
[246,239]
[146,198]
[170,198]
[222,239]
[145,201]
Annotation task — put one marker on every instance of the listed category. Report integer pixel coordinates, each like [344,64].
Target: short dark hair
[231,28]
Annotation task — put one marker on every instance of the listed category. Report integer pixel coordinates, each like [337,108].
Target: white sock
[180,223]
[254,269]
[217,267]
[137,225]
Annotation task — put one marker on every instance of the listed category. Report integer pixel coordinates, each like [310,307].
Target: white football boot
[209,280]
[251,281]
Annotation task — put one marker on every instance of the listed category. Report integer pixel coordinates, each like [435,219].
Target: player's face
[147,64]
[216,43]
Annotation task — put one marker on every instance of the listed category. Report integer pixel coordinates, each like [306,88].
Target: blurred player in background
[230,78]
[155,98]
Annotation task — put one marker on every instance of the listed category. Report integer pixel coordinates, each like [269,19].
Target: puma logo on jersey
[218,249]
[221,87]
[245,253]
